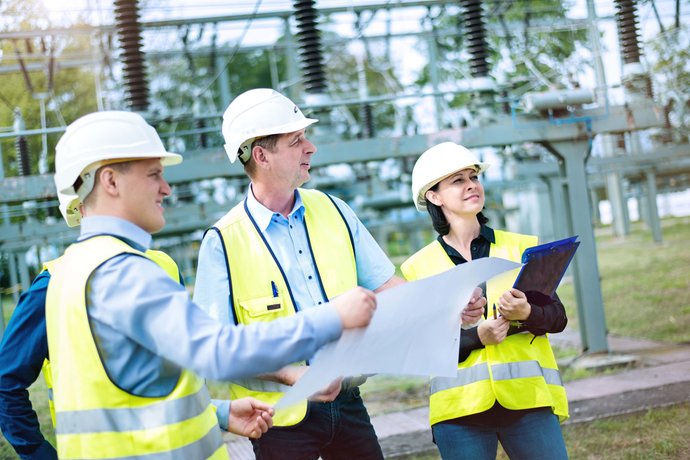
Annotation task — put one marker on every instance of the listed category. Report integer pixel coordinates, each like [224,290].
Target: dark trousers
[338,430]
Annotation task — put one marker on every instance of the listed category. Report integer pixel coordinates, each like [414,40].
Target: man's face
[291,158]
[142,191]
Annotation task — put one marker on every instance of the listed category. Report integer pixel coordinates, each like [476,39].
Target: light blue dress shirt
[288,240]
[147,328]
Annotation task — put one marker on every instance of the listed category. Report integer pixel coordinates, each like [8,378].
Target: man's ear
[432,197]
[260,156]
[108,180]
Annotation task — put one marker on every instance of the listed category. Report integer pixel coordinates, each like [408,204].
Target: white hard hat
[257,113]
[437,163]
[98,139]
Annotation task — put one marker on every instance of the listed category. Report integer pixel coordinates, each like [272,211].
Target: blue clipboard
[544,267]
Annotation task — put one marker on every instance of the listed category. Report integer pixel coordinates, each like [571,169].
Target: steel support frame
[590,304]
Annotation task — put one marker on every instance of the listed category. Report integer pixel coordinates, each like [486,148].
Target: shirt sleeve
[212,287]
[373,266]
[547,315]
[469,341]
[222,412]
[23,349]
[156,312]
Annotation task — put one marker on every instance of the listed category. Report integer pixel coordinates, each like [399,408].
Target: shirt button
[290,226]
[320,303]
[309,276]
[300,251]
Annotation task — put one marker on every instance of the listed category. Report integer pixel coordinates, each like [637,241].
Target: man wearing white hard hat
[508,387]
[286,250]
[128,347]
[24,355]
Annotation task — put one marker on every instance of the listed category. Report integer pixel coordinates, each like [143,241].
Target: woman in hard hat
[508,387]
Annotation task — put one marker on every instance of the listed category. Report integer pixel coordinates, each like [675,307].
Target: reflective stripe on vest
[95,418]
[263,293]
[132,418]
[494,372]
[505,371]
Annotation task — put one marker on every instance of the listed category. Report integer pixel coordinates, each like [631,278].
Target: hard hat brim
[420,199]
[232,148]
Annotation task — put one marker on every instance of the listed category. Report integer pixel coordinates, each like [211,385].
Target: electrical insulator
[23,163]
[367,120]
[628,36]
[626,19]
[475,34]
[310,47]
[129,32]
[200,124]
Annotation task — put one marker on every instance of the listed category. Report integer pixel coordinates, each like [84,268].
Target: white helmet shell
[257,113]
[96,139]
[437,163]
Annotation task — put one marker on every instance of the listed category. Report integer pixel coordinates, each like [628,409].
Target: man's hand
[513,305]
[250,417]
[355,307]
[474,310]
[493,331]
[329,393]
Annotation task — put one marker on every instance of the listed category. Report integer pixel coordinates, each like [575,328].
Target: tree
[671,74]
[526,51]
[68,93]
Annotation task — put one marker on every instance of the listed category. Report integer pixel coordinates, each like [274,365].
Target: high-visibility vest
[520,372]
[94,418]
[162,259]
[260,290]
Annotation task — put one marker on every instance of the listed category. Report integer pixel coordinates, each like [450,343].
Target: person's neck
[463,230]
[273,197]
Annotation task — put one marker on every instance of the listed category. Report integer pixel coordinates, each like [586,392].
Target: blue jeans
[339,430]
[537,435]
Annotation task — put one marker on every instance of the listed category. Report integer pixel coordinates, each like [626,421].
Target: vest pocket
[262,306]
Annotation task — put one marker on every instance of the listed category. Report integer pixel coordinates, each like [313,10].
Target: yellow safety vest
[520,372]
[260,291]
[159,257]
[94,418]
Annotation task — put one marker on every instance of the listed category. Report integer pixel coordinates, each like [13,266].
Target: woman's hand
[493,331]
[474,310]
[513,305]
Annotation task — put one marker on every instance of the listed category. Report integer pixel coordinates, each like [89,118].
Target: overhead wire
[237,46]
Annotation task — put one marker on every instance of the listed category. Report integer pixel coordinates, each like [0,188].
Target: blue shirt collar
[262,215]
[134,235]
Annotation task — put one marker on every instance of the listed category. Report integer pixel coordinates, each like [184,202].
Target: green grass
[656,434]
[646,292]
[645,285]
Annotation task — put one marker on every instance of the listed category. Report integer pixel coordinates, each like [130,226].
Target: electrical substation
[558,149]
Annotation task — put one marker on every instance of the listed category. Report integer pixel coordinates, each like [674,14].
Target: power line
[237,47]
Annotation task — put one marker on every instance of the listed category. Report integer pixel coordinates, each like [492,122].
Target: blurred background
[582,107]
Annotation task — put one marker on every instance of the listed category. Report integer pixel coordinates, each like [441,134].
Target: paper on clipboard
[545,265]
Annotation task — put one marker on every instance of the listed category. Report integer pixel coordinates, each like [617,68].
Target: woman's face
[460,193]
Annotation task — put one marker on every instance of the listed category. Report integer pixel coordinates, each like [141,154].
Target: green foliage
[518,52]
[73,89]
[671,76]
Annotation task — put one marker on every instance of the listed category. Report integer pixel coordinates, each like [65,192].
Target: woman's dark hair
[439,221]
